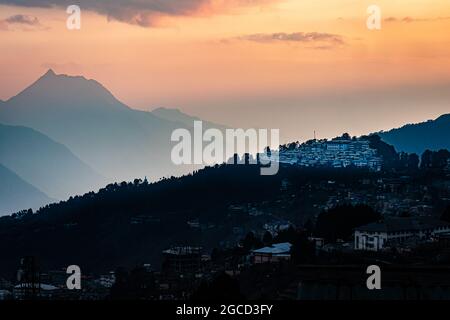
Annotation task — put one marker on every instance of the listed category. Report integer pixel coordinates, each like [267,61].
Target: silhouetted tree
[426,159]
[439,158]
[434,160]
[302,250]
[288,235]
[413,161]
[267,238]
[339,222]
[251,242]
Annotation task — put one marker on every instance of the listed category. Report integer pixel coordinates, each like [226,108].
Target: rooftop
[183,250]
[277,248]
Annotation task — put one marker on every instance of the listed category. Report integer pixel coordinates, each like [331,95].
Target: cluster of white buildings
[334,153]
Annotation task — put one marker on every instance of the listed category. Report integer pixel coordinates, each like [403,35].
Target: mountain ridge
[176,115]
[418,137]
[17,194]
[45,163]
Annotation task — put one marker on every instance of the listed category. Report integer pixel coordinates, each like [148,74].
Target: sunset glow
[205,59]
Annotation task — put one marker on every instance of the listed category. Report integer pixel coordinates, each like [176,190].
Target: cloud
[23,19]
[391,19]
[318,40]
[411,19]
[143,12]
[25,22]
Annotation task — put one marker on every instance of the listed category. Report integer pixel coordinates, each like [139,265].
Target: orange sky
[202,60]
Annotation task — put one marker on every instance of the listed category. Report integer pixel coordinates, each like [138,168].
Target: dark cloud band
[140,12]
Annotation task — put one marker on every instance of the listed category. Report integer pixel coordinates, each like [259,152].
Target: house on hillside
[273,254]
[396,231]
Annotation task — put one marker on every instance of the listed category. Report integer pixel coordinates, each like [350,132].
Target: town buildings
[395,231]
[338,153]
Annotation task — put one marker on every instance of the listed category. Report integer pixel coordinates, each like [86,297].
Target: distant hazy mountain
[116,141]
[16,194]
[180,117]
[48,165]
[433,135]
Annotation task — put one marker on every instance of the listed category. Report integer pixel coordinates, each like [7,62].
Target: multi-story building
[395,231]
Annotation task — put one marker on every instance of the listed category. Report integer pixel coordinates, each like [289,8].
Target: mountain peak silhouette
[49,73]
[52,92]
[114,140]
